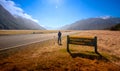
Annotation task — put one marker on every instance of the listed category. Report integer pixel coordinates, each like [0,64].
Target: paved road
[12,41]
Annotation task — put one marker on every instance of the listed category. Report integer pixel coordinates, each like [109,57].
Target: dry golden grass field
[17,32]
[49,56]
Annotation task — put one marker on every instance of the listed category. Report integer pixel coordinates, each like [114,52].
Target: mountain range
[93,24]
[10,22]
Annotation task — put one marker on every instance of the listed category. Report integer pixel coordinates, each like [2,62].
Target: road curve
[12,41]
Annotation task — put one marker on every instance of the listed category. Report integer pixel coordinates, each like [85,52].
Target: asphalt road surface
[12,41]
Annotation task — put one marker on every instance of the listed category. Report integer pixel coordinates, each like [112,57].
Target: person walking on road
[59,37]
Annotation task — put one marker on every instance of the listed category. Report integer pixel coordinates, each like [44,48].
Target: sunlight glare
[57,3]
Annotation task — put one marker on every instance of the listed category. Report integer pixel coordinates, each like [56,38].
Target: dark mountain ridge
[116,27]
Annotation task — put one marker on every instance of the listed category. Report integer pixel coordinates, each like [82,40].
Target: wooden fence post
[67,43]
[96,44]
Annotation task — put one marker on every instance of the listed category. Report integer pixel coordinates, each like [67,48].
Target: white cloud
[105,17]
[15,10]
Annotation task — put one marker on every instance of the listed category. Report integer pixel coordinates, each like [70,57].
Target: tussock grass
[49,56]
[18,32]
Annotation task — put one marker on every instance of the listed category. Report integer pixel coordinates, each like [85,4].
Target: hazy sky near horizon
[56,13]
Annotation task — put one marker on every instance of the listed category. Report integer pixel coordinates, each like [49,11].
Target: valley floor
[48,55]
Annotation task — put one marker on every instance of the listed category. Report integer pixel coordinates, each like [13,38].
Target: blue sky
[53,14]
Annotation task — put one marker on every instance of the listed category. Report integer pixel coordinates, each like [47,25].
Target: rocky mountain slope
[8,21]
[93,24]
